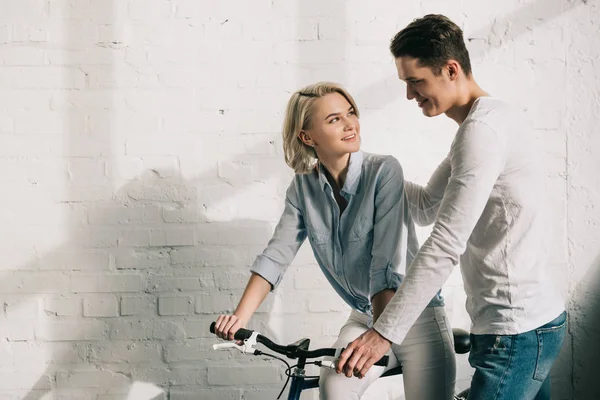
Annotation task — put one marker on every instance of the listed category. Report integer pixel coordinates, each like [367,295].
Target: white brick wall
[142,171]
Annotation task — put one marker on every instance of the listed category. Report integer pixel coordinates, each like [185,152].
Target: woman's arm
[269,267]
[255,293]
[391,233]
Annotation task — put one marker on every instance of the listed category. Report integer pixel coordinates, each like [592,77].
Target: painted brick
[138,305]
[145,329]
[100,306]
[90,379]
[212,303]
[129,352]
[106,283]
[175,305]
[251,375]
[136,165]
[202,393]
[72,330]
[63,306]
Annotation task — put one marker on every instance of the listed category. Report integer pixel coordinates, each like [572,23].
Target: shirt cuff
[387,333]
[384,278]
[268,269]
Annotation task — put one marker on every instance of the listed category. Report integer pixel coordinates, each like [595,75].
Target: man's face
[433,93]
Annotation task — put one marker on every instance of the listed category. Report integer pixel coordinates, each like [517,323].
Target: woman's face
[335,130]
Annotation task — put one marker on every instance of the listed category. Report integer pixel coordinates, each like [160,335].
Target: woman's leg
[427,357]
[333,386]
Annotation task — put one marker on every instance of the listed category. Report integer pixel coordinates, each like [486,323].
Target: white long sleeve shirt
[485,199]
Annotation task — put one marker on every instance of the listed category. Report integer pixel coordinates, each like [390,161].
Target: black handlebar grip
[383,361]
[243,334]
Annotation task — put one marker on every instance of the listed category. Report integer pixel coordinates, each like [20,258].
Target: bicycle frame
[300,383]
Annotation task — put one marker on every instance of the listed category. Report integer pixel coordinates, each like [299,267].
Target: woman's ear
[306,139]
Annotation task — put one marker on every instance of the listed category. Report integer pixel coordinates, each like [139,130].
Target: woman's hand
[256,290]
[227,325]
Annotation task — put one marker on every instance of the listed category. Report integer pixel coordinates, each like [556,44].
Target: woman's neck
[337,168]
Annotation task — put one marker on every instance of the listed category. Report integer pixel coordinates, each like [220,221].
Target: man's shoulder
[493,111]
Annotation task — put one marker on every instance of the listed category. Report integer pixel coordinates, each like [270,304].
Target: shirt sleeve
[477,157]
[287,238]
[424,202]
[390,230]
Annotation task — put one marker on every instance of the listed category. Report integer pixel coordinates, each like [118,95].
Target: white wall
[142,171]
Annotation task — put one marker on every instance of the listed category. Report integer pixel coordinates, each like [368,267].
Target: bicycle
[299,350]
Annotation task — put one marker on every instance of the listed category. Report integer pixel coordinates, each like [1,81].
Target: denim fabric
[363,250]
[516,367]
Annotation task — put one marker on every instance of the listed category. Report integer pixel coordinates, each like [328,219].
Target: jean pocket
[485,345]
[491,351]
[550,339]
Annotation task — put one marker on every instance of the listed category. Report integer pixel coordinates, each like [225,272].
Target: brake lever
[223,346]
[247,346]
[331,364]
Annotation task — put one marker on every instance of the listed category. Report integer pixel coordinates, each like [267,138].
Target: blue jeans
[516,367]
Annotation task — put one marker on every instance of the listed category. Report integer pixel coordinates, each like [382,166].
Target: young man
[485,202]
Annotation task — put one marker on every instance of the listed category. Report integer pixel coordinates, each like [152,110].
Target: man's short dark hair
[433,40]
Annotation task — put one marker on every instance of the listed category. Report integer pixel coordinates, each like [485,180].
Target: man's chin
[428,112]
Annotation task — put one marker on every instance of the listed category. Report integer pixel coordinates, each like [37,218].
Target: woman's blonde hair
[298,116]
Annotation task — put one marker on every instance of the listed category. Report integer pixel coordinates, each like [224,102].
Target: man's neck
[467,96]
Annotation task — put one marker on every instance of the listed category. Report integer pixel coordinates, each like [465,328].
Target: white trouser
[426,355]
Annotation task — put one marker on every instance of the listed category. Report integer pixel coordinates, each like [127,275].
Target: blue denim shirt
[364,250]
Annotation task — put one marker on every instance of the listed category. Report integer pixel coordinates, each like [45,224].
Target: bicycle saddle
[462,341]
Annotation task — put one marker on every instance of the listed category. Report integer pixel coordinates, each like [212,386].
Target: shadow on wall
[145,312]
[505,29]
[584,327]
[125,301]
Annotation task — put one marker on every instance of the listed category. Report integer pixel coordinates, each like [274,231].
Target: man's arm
[477,157]
[424,202]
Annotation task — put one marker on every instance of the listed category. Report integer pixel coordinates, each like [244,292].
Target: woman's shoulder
[381,162]
[303,183]
[311,176]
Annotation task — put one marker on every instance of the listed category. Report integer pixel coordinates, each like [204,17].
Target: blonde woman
[352,208]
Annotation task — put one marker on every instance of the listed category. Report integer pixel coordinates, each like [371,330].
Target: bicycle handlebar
[291,351]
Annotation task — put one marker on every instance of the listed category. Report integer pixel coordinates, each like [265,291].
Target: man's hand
[362,353]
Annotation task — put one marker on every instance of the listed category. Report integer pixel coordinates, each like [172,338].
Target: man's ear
[453,68]
[306,139]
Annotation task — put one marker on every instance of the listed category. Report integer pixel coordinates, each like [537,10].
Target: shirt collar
[352,177]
